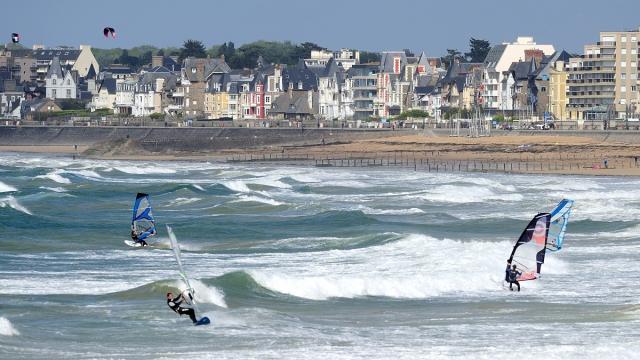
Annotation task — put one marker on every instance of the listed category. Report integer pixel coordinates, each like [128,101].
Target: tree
[160,52]
[193,48]
[478,50]
[452,55]
[367,57]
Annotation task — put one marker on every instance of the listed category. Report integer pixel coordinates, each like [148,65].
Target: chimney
[159,84]
[535,54]
[157,60]
[290,90]
[310,98]
[222,57]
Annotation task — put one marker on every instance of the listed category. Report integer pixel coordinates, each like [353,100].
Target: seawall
[185,139]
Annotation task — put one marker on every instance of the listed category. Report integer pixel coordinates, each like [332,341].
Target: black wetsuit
[513,278]
[506,273]
[174,304]
[134,237]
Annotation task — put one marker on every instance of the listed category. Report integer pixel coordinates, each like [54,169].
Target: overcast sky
[432,26]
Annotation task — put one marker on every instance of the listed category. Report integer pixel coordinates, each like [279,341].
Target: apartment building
[603,82]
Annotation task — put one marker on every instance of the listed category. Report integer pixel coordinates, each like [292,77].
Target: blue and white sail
[558,226]
[188,293]
[142,221]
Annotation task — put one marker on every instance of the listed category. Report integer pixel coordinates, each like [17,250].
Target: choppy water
[302,262]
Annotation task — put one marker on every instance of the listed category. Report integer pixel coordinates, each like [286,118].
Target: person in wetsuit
[174,304]
[507,271]
[134,237]
[513,278]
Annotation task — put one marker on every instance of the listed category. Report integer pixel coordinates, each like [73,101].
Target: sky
[419,25]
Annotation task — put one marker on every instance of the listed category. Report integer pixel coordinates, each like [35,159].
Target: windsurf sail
[559,219]
[142,221]
[528,252]
[189,292]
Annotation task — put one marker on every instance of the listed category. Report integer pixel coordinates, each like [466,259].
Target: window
[53,81]
[267,99]
[634,38]
[634,88]
[623,64]
[623,76]
[195,103]
[624,51]
[53,93]
[623,89]
[193,70]
[68,82]
[68,93]
[623,39]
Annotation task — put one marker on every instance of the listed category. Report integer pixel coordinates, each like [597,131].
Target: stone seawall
[186,139]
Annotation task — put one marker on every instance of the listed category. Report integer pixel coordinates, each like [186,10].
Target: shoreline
[535,154]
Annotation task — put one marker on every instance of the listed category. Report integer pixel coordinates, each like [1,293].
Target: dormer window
[299,85]
[193,70]
[53,81]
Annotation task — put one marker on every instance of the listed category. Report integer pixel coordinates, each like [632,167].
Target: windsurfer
[134,237]
[174,304]
[507,271]
[513,277]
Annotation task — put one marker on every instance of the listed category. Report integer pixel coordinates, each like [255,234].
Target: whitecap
[55,176]
[258,199]
[6,188]
[134,170]
[6,328]
[14,204]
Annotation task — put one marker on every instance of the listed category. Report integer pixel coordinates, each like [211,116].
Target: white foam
[14,204]
[134,170]
[271,182]
[197,187]
[466,194]
[54,189]
[208,295]
[55,176]
[6,188]
[258,199]
[416,267]
[6,328]
[372,211]
[184,201]
[236,185]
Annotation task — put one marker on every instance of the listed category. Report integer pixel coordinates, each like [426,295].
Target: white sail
[189,292]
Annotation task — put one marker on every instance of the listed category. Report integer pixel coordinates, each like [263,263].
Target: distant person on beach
[606,163]
[174,304]
[513,278]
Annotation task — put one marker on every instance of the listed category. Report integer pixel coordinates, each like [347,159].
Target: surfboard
[138,245]
[203,321]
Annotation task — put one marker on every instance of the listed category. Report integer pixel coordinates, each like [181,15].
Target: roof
[299,77]
[55,68]
[108,84]
[386,60]
[521,70]
[62,54]
[292,103]
[494,55]
[209,66]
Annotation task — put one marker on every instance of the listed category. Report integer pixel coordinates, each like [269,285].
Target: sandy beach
[522,154]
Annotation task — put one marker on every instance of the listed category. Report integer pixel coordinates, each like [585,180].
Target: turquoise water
[304,262]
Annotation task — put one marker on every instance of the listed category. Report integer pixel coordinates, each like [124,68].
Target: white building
[59,84]
[497,63]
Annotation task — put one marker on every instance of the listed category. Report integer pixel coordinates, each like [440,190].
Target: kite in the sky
[15,37]
[109,31]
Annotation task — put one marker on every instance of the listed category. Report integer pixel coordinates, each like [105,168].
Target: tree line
[246,56]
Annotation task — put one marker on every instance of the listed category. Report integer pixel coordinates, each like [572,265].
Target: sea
[301,262]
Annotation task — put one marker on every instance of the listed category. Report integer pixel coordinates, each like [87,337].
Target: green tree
[193,48]
[478,50]
[368,56]
[452,55]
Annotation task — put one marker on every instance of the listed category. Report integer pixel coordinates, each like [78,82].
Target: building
[59,84]
[195,74]
[345,58]
[295,105]
[80,60]
[497,63]
[362,82]
[106,96]
[603,82]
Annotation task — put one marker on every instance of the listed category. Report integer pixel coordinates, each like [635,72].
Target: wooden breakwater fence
[435,162]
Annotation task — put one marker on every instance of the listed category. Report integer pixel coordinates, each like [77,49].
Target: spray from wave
[6,328]
[55,176]
[6,188]
[14,204]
